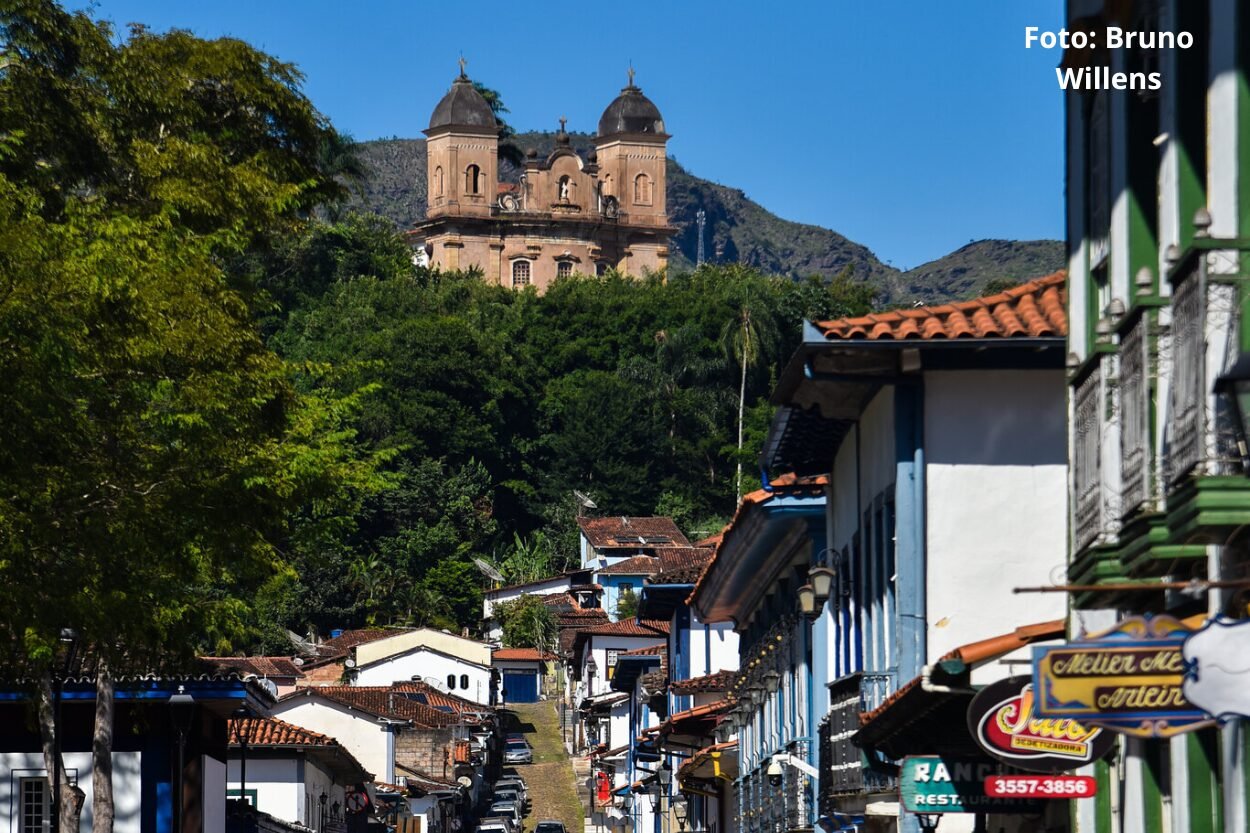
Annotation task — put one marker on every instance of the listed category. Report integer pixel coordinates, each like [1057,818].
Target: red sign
[1003,721]
[1040,786]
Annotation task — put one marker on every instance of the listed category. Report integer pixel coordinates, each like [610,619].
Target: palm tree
[746,340]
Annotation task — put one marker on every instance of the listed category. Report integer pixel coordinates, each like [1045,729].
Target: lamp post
[243,728]
[321,818]
[69,638]
[1234,387]
[681,811]
[181,712]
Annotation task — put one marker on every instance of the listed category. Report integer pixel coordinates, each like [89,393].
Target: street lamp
[680,811]
[821,580]
[181,713]
[772,681]
[69,638]
[321,819]
[807,601]
[1234,387]
[243,728]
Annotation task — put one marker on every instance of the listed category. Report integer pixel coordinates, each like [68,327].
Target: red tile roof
[270,731]
[347,640]
[629,627]
[683,565]
[785,484]
[381,701]
[436,697]
[622,532]
[639,565]
[648,651]
[521,655]
[1031,310]
[716,682]
[260,666]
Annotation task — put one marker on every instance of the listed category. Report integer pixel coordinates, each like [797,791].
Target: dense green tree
[527,623]
[162,457]
[626,604]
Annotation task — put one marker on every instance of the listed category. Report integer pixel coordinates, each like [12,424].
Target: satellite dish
[585,499]
[489,570]
[465,781]
[349,662]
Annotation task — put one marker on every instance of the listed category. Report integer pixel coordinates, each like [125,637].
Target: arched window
[438,181]
[464,682]
[642,190]
[473,180]
[564,268]
[451,682]
[520,274]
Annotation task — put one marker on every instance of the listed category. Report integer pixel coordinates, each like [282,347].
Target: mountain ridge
[738,230]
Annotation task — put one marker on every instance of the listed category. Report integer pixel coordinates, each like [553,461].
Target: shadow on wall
[999,418]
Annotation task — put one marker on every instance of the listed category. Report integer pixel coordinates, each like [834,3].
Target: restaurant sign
[1002,719]
[1127,679]
[931,784]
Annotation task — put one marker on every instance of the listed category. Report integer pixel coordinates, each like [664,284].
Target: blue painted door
[520,687]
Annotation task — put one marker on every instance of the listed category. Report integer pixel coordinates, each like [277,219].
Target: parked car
[515,796]
[508,810]
[496,824]
[550,826]
[518,752]
[515,783]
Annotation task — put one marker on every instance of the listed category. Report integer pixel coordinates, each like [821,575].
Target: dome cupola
[463,106]
[631,112]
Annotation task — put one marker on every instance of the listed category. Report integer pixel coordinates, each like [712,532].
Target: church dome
[463,106]
[631,112]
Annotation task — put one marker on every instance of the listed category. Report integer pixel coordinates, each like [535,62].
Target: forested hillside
[492,406]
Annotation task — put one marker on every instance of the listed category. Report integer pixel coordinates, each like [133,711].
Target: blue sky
[909,126]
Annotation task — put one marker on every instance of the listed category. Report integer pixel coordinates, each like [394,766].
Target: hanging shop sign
[932,784]
[1002,719]
[1127,679]
[1218,668]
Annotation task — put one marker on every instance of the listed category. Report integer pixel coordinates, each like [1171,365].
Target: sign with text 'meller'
[1127,679]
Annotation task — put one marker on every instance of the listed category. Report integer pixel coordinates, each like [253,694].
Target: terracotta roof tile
[619,532]
[270,731]
[785,484]
[639,565]
[382,701]
[260,666]
[629,627]
[655,681]
[521,655]
[1032,310]
[683,565]
[715,682]
[648,651]
[347,640]
[437,698]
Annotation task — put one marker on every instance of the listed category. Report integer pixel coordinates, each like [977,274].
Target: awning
[928,715]
[693,728]
[717,761]
[602,702]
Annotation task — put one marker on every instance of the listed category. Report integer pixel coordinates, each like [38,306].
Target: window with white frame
[34,815]
[520,274]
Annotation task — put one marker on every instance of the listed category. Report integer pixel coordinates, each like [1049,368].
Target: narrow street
[552,788]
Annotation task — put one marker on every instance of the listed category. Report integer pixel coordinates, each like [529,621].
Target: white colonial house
[446,672]
[293,774]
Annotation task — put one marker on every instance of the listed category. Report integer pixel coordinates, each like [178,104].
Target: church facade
[567,215]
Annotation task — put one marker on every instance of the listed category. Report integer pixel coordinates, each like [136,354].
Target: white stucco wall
[431,667]
[214,784]
[599,647]
[712,648]
[875,466]
[126,787]
[287,788]
[557,584]
[448,643]
[996,492]
[360,733]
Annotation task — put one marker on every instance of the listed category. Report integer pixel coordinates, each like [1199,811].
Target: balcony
[1137,384]
[1095,432]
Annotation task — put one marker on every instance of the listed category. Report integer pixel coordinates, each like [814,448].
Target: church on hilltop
[567,215]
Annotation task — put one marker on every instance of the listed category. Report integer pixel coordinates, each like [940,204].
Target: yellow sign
[1127,679]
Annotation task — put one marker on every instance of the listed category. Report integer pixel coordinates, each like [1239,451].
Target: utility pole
[701,218]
